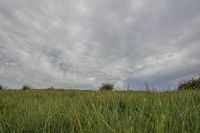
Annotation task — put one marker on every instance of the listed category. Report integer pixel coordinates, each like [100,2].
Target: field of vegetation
[27,111]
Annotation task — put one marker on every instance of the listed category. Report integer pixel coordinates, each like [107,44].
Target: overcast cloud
[82,43]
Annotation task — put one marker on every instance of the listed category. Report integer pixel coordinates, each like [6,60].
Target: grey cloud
[80,44]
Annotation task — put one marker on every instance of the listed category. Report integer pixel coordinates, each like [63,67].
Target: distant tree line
[191,84]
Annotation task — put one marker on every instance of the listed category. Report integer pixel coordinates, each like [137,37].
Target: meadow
[47,111]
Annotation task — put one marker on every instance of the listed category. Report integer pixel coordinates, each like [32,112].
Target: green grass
[50,111]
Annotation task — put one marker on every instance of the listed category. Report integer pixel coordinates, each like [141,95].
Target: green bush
[51,88]
[26,87]
[1,87]
[192,84]
[107,87]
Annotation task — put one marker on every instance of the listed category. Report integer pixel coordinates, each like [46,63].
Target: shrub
[107,87]
[1,87]
[192,84]
[26,87]
[51,88]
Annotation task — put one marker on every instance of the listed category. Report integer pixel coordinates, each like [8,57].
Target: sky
[83,43]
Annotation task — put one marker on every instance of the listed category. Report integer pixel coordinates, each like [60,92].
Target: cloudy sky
[83,43]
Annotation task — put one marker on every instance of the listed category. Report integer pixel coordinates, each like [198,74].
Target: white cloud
[80,44]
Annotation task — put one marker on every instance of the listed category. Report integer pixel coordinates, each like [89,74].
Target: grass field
[98,112]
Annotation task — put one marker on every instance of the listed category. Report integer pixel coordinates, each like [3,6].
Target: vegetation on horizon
[26,87]
[192,84]
[2,87]
[107,87]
